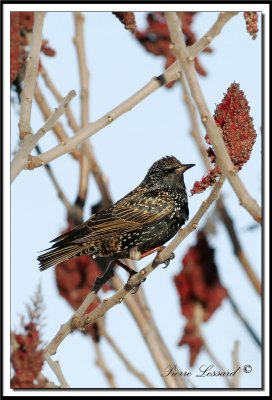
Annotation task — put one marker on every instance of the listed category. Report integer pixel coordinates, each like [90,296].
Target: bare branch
[61,195]
[172,73]
[195,130]
[237,247]
[32,63]
[58,129]
[84,82]
[235,382]
[84,73]
[243,320]
[214,31]
[22,158]
[100,362]
[55,366]
[222,157]
[121,355]
[198,319]
[140,311]
[100,178]
[69,114]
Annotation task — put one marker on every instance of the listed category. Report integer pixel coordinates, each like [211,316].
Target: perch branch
[31,72]
[214,132]
[80,321]
[22,158]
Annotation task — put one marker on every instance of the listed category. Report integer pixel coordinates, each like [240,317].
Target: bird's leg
[101,280]
[131,272]
[158,250]
[147,253]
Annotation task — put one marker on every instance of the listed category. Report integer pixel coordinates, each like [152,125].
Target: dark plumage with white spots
[144,219]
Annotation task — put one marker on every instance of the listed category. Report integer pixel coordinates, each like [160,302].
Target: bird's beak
[183,168]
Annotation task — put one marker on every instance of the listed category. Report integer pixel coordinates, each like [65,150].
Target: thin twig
[22,157]
[198,319]
[31,72]
[58,128]
[103,332]
[214,132]
[235,381]
[100,362]
[51,86]
[237,247]
[93,163]
[55,366]
[72,210]
[214,31]
[244,321]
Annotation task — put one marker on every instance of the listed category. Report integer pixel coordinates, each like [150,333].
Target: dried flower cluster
[198,283]
[252,23]
[156,39]
[26,356]
[75,278]
[127,19]
[21,23]
[232,116]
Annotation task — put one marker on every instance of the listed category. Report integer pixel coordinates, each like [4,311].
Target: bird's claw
[167,262]
[134,289]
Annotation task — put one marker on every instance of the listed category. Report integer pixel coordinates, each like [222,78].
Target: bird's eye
[170,170]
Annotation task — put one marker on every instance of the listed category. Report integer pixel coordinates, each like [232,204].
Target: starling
[140,222]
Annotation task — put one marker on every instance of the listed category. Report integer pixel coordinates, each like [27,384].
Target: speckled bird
[134,226]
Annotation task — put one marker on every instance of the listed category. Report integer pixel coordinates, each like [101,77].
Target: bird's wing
[133,212]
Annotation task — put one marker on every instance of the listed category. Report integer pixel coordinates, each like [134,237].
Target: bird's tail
[57,255]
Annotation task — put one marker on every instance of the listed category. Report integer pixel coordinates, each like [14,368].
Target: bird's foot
[133,289]
[165,262]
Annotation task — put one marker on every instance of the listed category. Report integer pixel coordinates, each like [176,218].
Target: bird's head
[167,172]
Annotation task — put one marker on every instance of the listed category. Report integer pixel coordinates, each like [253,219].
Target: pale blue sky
[158,126]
